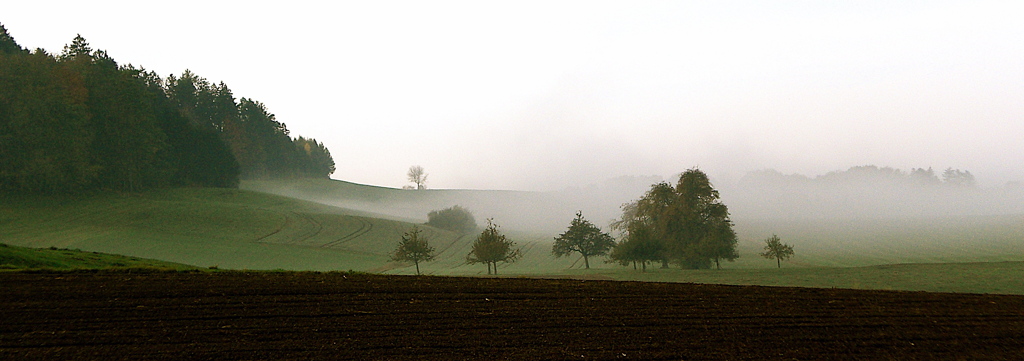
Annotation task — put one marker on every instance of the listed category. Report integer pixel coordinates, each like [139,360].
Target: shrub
[455,218]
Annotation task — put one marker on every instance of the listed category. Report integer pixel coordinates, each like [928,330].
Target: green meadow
[254,229]
[24,258]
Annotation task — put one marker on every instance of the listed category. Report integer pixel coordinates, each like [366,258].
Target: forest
[79,121]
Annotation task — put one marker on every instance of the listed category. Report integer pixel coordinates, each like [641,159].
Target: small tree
[413,247]
[418,177]
[582,237]
[455,219]
[492,247]
[775,249]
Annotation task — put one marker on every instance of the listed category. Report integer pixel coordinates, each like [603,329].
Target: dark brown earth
[269,316]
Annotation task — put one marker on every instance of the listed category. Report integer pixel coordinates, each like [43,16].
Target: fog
[858,193]
[549,96]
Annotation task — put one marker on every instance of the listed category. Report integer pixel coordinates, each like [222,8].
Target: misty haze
[384,180]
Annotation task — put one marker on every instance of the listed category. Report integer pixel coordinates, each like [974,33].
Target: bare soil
[274,316]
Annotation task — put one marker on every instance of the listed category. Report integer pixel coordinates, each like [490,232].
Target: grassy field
[975,277]
[241,229]
[23,258]
[204,227]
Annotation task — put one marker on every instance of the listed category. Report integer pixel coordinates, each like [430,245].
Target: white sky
[541,95]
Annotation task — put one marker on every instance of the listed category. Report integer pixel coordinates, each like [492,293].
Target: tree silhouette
[775,249]
[418,177]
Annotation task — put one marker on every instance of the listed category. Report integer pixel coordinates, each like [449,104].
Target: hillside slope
[207,227]
[238,229]
[829,242]
[24,258]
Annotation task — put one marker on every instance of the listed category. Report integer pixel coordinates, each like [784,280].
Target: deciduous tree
[454,218]
[775,249]
[492,247]
[584,238]
[418,177]
[413,247]
[637,246]
[688,221]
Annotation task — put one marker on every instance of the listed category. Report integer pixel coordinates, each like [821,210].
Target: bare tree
[418,176]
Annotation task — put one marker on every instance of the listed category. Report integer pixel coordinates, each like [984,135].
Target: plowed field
[270,316]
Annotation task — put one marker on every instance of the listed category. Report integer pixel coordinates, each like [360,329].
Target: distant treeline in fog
[869,192]
[80,121]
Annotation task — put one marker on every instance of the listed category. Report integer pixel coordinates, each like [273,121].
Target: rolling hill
[335,225]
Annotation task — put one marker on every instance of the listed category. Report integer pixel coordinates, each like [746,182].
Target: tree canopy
[584,238]
[775,249]
[454,218]
[686,224]
[413,247]
[81,121]
[492,247]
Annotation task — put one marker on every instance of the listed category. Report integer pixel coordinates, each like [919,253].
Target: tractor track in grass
[319,227]
[283,225]
[364,228]
[283,315]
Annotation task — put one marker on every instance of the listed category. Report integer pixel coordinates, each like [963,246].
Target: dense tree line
[867,175]
[79,120]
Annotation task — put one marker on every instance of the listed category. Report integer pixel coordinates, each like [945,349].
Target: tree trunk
[495,268]
[586,261]
[644,265]
[417,267]
[664,263]
[717,265]
[779,262]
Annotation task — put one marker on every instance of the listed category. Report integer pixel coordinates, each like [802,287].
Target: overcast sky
[549,94]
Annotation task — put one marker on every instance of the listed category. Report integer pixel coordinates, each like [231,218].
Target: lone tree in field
[584,238]
[413,247]
[455,219]
[492,247]
[418,177]
[775,249]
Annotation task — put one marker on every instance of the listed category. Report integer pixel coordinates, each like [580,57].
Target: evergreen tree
[80,121]
[126,136]
[45,136]
[7,44]
[316,159]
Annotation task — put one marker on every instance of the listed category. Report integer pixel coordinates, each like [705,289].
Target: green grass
[229,229]
[240,229]
[23,258]
[978,277]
